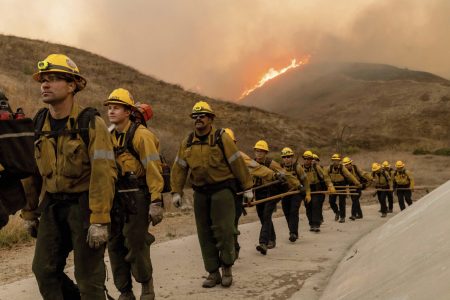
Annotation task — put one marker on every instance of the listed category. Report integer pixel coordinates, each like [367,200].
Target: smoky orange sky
[222,47]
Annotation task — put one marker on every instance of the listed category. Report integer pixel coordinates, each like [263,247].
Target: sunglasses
[53,78]
[198,116]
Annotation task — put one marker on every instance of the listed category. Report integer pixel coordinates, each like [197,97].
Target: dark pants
[215,217]
[356,205]
[239,210]
[314,210]
[342,202]
[265,211]
[404,195]
[291,207]
[62,228]
[129,240]
[382,199]
[390,199]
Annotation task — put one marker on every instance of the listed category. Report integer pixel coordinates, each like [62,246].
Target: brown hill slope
[382,106]
[171,103]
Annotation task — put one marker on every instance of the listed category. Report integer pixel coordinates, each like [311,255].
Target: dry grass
[13,233]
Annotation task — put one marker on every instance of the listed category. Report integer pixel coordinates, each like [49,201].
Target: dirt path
[291,270]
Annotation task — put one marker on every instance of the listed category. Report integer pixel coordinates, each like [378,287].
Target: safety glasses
[198,116]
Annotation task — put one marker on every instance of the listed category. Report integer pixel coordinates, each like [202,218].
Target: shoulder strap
[39,120]
[189,140]
[129,140]
[218,141]
[86,120]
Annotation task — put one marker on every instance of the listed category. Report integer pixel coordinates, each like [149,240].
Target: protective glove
[331,189]
[280,176]
[248,196]
[97,235]
[31,226]
[176,200]
[308,198]
[156,213]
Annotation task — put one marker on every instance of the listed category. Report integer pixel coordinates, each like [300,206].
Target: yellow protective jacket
[291,180]
[340,174]
[298,172]
[316,174]
[208,163]
[382,179]
[146,146]
[68,166]
[403,178]
[258,170]
[358,173]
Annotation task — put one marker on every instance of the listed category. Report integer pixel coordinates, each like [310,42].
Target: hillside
[381,106]
[171,103]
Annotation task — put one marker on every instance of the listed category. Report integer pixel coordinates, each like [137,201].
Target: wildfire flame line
[272,73]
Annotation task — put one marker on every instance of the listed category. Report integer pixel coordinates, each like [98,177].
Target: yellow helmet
[316,157]
[261,145]
[202,107]
[385,164]
[376,167]
[308,154]
[120,96]
[399,164]
[346,161]
[336,157]
[287,152]
[60,63]
[230,133]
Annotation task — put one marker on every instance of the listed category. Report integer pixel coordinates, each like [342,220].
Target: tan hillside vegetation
[381,106]
[171,103]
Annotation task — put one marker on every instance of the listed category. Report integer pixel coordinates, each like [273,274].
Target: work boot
[212,280]
[336,217]
[353,218]
[148,293]
[342,220]
[262,248]
[390,211]
[316,229]
[271,244]
[293,237]
[383,215]
[227,277]
[312,228]
[128,295]
[359,216]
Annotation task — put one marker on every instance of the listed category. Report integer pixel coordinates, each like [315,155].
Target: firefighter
[77,173]
[319,181]
[383,184]
[363,178]
[340,177]
[257,171]
[267,236]
[390,195]
[291,204]
[138,198]
[403,183]
[217,172]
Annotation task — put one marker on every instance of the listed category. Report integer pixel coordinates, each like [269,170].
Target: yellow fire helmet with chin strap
[399,164]
[336,157]
[308,154]
[202,107]
[385,164]
[261,145]
[230,133]
[120,96]
[316,157]
[286,152]
[376,167]
[62,64]
[346,161]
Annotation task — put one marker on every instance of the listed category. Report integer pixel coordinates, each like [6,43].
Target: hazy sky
[222,47]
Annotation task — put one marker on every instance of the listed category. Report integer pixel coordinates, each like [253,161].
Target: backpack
[128,146]
[17,149]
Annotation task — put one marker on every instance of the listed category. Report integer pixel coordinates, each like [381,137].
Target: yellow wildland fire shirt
[316,174]
[340,174]
[146,145]
[208,164]
[382,179]
[66,165]
[299,173]
[403,178]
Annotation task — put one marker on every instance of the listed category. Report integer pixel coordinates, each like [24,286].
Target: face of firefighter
[260,154]
[55,89]
[308,161]
[202,122]
[118,114]
[336,163]
[287,160]
[348,166]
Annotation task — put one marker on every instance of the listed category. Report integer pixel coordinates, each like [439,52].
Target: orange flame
[272,73]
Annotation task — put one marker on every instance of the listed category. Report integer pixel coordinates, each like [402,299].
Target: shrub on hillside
[442,151]
[420,151]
